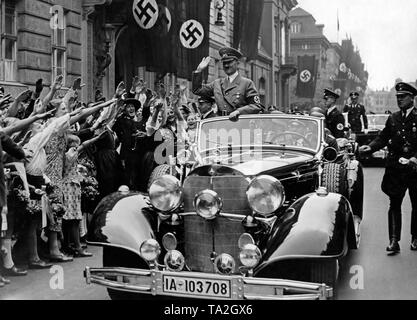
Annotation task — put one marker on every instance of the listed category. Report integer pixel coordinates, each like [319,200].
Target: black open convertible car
[266,210]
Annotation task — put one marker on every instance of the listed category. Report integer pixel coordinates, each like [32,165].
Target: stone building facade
[34,46]
[85,38]
[307,38]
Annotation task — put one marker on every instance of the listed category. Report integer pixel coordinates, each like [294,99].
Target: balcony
[288,66]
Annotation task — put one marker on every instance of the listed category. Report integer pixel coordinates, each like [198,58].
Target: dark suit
[355,113]
[240,95]
[335,122]
[400,135]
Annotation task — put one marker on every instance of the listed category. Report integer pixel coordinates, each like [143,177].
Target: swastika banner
[173,42]
[306,77]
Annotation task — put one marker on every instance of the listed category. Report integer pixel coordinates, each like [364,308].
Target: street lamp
[219,5]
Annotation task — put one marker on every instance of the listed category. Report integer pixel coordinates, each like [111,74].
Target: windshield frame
[319,122]
[374,116]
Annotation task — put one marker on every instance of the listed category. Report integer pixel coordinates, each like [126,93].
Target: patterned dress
[72,187]
[55,152]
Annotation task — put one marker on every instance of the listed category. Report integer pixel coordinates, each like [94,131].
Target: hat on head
[317,112]
[134,102]
[202,99]
[330,93]
[405,88]
[229,54]
[354,93]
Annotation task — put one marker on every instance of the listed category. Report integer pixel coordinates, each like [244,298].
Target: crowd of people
[61,156]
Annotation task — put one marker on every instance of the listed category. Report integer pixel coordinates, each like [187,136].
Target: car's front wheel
[334,178]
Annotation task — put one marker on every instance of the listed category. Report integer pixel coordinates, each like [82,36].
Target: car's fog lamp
[169,241]
[208,204]
[265,195]
[225,264]
[174,261]
[150,250]
[166,193]
[250,256]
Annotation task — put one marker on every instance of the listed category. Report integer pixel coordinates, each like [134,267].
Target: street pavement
[366,274]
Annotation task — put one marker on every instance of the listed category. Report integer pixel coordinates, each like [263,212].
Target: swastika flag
[306,77]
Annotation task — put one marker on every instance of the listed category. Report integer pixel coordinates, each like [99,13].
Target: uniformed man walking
[356,114]
[400,135]
[234,95]
[335,121]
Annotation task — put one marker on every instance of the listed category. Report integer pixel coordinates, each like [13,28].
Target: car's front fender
[124,221]
[315,226]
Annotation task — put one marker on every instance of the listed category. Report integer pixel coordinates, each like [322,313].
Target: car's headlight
[225,264]
[174,261]
[150,250]
[208,204]
[265,195]
[166,193]
[250,255]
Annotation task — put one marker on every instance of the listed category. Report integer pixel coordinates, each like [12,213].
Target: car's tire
[113,257]
[158,172]
[326,272]
[334,178]
[357,195]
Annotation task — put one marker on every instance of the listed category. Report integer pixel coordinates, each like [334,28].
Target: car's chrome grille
[203,237]
[231,189]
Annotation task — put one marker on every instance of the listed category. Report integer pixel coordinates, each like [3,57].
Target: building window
[305,46]
[295,27]
[59,52]
[8,65]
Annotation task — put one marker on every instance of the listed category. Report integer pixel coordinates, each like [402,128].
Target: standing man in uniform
[335,121]
[356,114]
[205,106]
[400,135]
[234,95]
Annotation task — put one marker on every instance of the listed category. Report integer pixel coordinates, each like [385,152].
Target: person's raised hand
[5,100]
[203,64]
[38,87]
[23,96]
[58,83]
[77,84]
[121,89]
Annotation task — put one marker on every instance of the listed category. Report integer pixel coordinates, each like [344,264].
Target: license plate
[197,287]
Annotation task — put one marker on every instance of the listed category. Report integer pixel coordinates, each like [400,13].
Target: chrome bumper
[242,288]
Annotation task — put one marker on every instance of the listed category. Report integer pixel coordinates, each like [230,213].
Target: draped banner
[247,24]
[159,48]
[306,77]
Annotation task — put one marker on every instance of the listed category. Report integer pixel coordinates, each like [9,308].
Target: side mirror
[330,154]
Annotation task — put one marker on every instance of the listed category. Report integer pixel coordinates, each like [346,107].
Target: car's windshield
[377,120]
[289,132]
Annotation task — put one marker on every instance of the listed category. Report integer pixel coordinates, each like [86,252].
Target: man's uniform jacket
[240,95]
[335,122]
[355,112]
[400,135]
